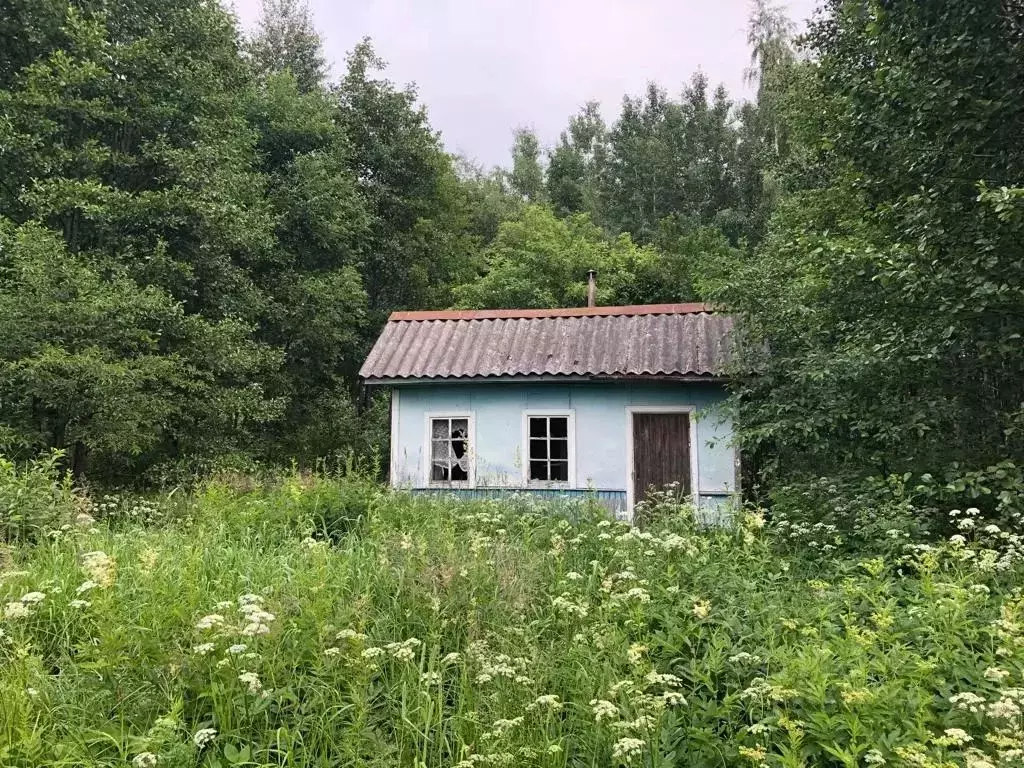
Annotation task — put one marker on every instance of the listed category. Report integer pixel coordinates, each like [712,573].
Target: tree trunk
[79,461]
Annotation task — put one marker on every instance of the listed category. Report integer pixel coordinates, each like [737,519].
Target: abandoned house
[612,401]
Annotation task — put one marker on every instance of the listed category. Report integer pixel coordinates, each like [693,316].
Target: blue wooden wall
[601,425]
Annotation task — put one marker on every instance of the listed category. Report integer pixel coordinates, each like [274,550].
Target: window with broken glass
[548,449]
[449,450]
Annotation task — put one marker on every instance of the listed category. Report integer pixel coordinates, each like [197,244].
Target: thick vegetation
[202,232]
[319,622]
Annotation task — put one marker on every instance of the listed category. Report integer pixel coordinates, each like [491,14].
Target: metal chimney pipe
[592,288]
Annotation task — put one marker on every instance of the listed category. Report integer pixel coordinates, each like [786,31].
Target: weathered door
[661,452]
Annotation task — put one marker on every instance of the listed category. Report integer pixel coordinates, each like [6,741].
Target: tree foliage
[249,221]
[541,260]
[288,41]
[884,310]
[201,234]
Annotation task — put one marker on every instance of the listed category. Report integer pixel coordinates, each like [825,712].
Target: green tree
[288,41]
[527,177]
[671,159]
[93,364]
[316,305]
[541,260]
[885,305]
[490,198]
[127,138]
[418,243]
[576,163]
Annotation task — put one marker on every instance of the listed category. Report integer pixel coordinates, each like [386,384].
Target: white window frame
[691,411]
[428,454]
[570,414]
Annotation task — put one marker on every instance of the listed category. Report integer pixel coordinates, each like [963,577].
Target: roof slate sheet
[664,340]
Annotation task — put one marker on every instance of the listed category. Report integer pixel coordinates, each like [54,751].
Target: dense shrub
[223,628]
[33,499]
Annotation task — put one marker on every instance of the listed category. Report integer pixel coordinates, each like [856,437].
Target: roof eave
[682,378]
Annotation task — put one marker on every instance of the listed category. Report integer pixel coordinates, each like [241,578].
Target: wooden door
[661,452]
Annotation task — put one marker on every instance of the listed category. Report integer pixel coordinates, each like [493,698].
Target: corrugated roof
[658,340]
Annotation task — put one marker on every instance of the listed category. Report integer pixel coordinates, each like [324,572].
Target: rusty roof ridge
[692,308]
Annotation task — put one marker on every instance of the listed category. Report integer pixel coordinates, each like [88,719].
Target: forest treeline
[201,233]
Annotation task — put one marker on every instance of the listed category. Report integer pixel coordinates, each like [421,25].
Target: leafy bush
[429,632]
[33,499]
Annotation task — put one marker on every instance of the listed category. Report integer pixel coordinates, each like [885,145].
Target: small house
[611,401]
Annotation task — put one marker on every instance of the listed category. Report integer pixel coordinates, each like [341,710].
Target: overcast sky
[485,67]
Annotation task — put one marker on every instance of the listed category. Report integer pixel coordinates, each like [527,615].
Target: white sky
[486,67]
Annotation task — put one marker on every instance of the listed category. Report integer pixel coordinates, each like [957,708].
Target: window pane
[458,473]
[439,429]
[538,449]
[560,471]
[559,426]
[538,470]
[438,472]
[460,427]
[538,426]
[559,449]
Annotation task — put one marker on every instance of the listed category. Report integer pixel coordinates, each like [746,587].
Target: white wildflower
[237,649]
[210,621]
[658,678]
[874,757]
[549,701]
[639,594]
[966,701]
[32,598]
[957,736]
[673,699]
[1004,709]
[85,586]
[83,604]
[636,652]
[744,658]
[145,760]
[627,749]
[203,649]
[332,652]
[204,736]
[349,634]
[996,675]
[603,710]
[701,609]
[100,567]
[252,680]
[17,610]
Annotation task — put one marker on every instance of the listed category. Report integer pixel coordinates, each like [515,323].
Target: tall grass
[314,622]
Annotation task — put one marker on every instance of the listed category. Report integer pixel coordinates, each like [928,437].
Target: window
[449,449]
[549,448]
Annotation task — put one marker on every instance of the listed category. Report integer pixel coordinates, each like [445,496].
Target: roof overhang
[399,381]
